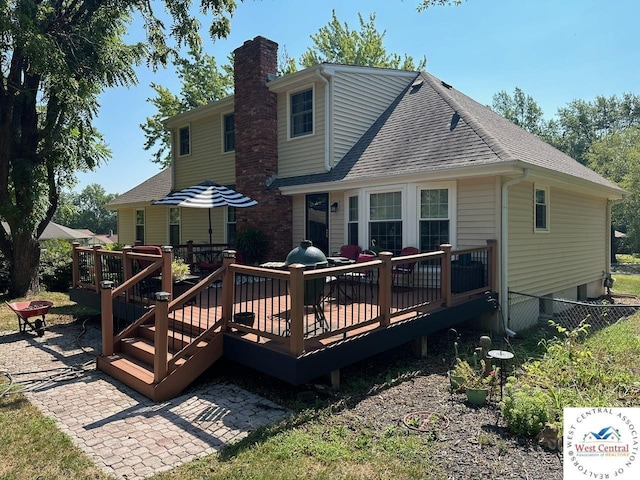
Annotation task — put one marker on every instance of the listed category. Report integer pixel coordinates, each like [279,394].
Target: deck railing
[291,306]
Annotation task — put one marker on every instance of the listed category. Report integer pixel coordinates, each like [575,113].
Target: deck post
[384,288]
[97,264]
[296,290]
[106,304]
[491,264]
[189,255]
[335,379]
[228,287]
[420,346]
[445,274]
[75,269]
[161,337]
[167,274]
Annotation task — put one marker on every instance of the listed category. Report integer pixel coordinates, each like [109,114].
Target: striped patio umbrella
[209,195]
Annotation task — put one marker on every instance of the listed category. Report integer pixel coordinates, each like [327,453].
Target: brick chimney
[256,144]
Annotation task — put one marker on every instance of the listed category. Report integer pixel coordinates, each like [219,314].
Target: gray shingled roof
[431,126]
[150,190]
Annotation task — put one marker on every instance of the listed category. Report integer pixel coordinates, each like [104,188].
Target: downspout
[327,117]
[504,251]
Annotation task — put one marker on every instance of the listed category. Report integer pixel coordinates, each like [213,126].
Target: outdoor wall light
[334,207]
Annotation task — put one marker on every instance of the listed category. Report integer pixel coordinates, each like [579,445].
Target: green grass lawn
[626,284]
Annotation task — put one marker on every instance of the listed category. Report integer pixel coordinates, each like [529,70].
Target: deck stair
[132,362]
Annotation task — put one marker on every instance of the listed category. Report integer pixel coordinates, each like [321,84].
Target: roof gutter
[504,250]
[322,74]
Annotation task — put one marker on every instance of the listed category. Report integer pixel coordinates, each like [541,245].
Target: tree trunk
[23,266]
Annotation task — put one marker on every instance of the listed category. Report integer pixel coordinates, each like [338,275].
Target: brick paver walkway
[124,433]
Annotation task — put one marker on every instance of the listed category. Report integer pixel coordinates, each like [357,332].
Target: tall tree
[203,82]
[337,43]
[55,59]
[617,157]
[520,109]
[87,210]
[581,122]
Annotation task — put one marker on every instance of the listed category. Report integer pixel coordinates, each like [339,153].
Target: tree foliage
[337,43]
[520,109]
[203,82]
[87,210]
[581,122]
[55,60]
[616,156]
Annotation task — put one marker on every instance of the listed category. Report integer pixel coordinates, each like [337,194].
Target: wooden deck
[305,323]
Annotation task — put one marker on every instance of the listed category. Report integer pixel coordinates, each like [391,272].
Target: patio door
[317,218]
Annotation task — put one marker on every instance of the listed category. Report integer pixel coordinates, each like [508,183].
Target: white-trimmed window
[231,226]
[174,225]
[301,113]
[228,133]
[385,220]
[140,226]
[184,140]
[352,221]
[541,209]
[434,218]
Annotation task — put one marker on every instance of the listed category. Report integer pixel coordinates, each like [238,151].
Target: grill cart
[30,309]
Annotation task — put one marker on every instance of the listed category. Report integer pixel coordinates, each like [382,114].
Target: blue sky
[554,50]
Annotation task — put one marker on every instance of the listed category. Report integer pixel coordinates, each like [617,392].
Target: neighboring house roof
[150,190]
[55,230]
[433,127]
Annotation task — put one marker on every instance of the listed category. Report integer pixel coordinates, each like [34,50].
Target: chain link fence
[526,311]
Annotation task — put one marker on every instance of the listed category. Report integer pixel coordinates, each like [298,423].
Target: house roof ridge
[442,90]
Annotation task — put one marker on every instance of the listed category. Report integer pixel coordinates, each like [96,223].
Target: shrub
[56,266]
[252,245]
[526,409]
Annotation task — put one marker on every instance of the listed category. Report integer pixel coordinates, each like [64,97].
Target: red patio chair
[350,251]
[405,269]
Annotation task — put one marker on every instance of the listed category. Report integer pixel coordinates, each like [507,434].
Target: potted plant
[179,270]
[475,382]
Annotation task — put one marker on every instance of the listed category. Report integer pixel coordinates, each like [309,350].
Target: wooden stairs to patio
[191,350]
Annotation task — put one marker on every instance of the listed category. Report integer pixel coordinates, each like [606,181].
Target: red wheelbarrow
[30,309]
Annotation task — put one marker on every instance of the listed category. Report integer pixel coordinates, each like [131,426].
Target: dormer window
[301,113]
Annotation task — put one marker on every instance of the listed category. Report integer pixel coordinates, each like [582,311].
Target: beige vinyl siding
[572,253]
[126,226]
[301,155]
[298,213]
[156,229]
[206,161]
[336,222]
[358,100]
[477,210]
[195,225]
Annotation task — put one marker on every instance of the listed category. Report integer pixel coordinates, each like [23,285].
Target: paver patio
[123,432]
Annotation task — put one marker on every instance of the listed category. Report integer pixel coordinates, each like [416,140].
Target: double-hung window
[301,113]
[140,226]
[184,141]
[541,209]
[231,226]
[229,132]
[174,225]
[352,221]
[435,219]
[385,221]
